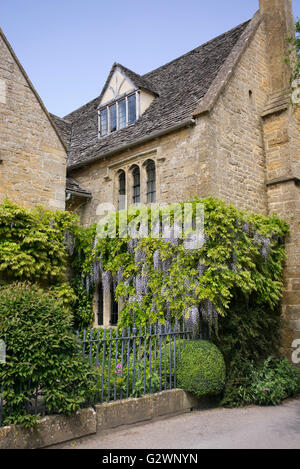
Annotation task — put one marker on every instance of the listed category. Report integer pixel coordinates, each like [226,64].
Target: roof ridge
[60,118]
[141,77]
[158,68]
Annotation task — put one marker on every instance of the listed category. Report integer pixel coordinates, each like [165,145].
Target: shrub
[201,369]
[273,382]
[41,354]
[247,336]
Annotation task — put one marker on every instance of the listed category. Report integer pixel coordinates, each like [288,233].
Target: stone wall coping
[56,429]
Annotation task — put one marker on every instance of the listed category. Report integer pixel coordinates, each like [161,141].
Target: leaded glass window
[122,191]
[122,114]
[136,185]
[118,115]
[131,109]
[113,117]
[151,182]
[103,122]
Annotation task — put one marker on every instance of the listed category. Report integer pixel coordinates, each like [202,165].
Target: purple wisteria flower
[131,245]
[265,250]
[69,242]
[166,265]
[201,269]
[156,260]
[106,281]
[120,274]
[139,256]
[245,227]
[87,284]
[192,318]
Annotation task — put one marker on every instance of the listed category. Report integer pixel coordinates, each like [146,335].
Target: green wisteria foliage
[32,243]
[158,279]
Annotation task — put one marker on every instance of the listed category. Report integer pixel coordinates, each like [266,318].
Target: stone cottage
[217,121]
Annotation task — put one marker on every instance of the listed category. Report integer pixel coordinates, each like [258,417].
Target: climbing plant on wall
[37,245]
[159,278]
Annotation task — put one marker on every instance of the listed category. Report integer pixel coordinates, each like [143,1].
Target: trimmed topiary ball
[201,369]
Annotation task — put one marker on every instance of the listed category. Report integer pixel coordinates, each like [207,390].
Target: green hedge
[201,369]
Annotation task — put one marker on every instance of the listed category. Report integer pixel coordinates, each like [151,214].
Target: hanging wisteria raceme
[166,265]
[209,313]
[87,284]
[97,270]
[106,281]
[120,274]
[168,311]
[257,239]
[139,285]
[132,299]
[246,228]
[156,260]
[154,306]
[132,243]
[234,261]
[201,269]
[193,318]
[139,256]
[155,229]
[171,234]
[265,250]
[187,284]
[94,244]
[69,242]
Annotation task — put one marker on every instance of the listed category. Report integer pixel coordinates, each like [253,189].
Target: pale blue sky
[67,47]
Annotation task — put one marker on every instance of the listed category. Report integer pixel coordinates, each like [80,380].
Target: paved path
[250,427]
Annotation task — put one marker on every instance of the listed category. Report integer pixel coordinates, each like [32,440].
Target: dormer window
[118,115]
[123,100]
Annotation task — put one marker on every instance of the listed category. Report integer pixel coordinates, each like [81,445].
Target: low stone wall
[130,411]
[56,429]
[50,430]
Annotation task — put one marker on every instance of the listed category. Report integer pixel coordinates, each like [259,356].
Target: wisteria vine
[159,279]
